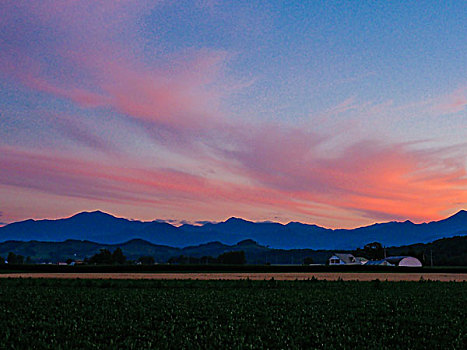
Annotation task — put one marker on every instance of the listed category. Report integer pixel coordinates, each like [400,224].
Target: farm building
[397,261]
[361,260]
[343,259]
[404,261]
[382,262]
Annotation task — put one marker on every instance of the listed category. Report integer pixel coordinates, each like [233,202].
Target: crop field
[282,276]
[242,314]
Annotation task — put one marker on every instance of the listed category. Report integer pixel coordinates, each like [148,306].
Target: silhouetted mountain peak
[247,242]
[458,217]
[234,220]
[461,213]
[213,244]
[137,241]
[93,214]
[69,241]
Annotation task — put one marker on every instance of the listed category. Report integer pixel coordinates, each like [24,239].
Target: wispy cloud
[368,176]
[172,102]
[282,169]
[453,103]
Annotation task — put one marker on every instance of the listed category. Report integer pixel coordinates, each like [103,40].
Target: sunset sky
[335,113]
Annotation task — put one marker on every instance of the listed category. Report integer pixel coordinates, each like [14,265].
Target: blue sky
[336,113]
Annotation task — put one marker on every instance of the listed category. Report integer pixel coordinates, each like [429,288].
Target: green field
[146,314]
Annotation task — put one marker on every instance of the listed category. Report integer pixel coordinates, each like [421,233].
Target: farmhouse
[343,259]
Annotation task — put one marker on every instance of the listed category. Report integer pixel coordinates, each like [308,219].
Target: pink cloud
[450,103]
[183,96]
[284,170]
[70,177]
[453,103]
[164,190]
[89,65]
[369,177]
[82,97]
[186,98]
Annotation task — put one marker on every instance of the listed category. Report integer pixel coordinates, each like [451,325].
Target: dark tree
[147,260]
[193,260]
[237,258]
[371,251]
[308,261]
[207,260]
[181,259]
[118,257]
[103,257]
[12,259]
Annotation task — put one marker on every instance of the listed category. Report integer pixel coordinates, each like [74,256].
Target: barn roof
[374,262]
[347,258]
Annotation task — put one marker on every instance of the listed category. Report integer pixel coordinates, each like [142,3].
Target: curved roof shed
[404,261]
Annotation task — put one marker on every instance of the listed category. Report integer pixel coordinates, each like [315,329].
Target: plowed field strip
[348,276]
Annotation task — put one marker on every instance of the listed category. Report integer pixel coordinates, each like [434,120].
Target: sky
[335,113]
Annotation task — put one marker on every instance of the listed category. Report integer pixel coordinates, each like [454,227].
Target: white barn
[343,259]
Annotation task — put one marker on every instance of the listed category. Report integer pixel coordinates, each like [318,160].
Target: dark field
[141,314]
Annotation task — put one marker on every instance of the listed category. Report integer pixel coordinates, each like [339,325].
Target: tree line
[17,259]
[106,257]
[230,258]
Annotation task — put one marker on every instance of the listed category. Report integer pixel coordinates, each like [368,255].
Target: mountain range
[106,229]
